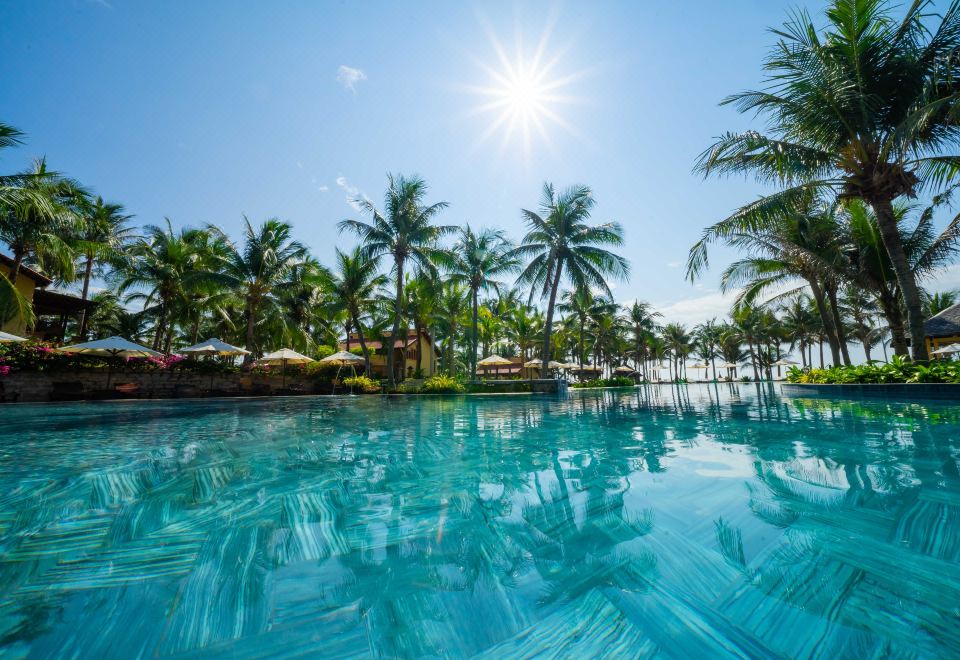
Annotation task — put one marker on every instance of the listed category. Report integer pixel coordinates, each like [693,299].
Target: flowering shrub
[362,383]
[616,381]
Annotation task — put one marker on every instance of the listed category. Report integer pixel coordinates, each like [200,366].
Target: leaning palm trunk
[827,318]
[886,219]
[548,324]
[473,337]
[838,323]
[363,345]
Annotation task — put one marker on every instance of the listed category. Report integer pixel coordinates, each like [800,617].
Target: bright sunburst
[523,96]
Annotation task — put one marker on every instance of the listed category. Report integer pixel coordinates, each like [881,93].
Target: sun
[523,96]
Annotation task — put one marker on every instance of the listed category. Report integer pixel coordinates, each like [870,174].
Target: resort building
[943,329]
[410,354]
[52,308]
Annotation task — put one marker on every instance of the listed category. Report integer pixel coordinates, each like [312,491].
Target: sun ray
[523,92]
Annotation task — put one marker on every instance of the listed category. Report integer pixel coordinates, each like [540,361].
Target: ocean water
[700,521]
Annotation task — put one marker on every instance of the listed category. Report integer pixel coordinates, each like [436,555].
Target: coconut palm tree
[162,268]
[37,225]
[863,109]
[103,234]
[354,287]
[405,232]
[938,301]
[642,321]
[561,244]
[478,258]
[258,269]
[452,313]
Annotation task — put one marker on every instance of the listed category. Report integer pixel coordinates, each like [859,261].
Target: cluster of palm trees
[861,117]
[170,287]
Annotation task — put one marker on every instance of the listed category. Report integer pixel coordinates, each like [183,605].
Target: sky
[208,112]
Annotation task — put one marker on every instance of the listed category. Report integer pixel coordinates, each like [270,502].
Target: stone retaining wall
[26,386]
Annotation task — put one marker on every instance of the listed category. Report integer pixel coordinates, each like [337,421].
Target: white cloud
[350,77]
[323,188]
[945,279]
[691,311]
[352,192]
[674,264]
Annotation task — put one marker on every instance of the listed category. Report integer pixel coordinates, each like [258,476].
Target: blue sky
[203,112]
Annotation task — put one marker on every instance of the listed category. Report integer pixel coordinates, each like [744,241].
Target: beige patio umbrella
[494,361]
[111,347]
[215,347]
[782,362]
[283,357]
[7,337]
[697,367]
[624,369]
[342,359]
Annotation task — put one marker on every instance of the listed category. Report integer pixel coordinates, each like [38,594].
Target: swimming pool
[694,521]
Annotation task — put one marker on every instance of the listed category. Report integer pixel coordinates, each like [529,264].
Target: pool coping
[892,391]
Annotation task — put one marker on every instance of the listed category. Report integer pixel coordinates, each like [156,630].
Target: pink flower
[4,370]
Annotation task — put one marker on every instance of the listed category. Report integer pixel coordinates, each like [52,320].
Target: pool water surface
[700,521]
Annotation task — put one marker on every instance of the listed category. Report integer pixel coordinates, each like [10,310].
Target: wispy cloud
[323,188]
[691,311]
[350,77]
[353,193]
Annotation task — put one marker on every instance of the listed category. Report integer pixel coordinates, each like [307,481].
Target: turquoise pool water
[685,522]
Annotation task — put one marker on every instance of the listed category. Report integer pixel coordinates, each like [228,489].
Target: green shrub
[442,384]
[362,383]
[616,381]
[898,370]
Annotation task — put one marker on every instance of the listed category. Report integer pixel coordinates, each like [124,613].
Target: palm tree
[560,244]
[259,269]
[404,232]
[453,305]
[477,259]
[36,226]
[939,301]
[354,287]
[642,321]
[422,293]
[102,237]
[801,325]
[162,267]
[707,343]
[678,341]
[866,110]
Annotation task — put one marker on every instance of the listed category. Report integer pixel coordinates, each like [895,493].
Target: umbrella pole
[336,378]
[283,374]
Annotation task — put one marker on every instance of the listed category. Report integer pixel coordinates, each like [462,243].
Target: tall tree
[478,258]
[866,108]
[102,236]
[355,283]
[561,244]
[403,231]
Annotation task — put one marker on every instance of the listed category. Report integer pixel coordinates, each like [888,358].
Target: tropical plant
[353,288]
[477,259]
[561,244]
[405,232]
[863,109]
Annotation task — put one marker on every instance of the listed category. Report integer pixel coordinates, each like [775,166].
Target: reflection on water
[688,521]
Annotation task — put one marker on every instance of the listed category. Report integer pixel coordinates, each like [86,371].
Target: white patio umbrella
[215,347]
[624,369]
[6,336]
[947,350]
[283,357]
[342,359]
[697,367]
[728,366]
[111,347]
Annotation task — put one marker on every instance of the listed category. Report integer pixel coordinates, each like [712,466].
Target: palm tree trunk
[826,317]
[905,277]
[397,316]
[251,326]
[838,323]
[890,307]
[15,271]
[363,345]
[548,324]
[473,335]
[87,274]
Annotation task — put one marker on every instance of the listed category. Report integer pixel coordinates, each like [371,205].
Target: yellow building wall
[428,361]
[25,286]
